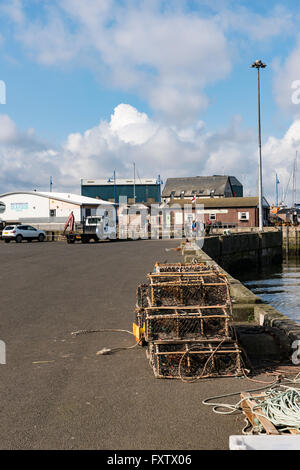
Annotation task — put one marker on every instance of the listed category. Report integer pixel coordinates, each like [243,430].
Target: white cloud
[168,55]
[286,73]
[130,136]
[167,58]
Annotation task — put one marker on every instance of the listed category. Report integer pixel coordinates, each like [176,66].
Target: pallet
[249,401]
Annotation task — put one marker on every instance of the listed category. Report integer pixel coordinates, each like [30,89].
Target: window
[212,217]
[52,212]
[243,215]
[2,207]
[172,194]
[182,194]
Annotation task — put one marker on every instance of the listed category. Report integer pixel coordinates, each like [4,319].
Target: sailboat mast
[295,182]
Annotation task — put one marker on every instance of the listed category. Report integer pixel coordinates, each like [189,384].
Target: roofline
[36,193]
[250,201]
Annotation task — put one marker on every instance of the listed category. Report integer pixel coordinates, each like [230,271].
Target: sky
[90,87]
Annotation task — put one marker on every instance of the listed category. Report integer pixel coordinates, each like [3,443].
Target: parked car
[22,232]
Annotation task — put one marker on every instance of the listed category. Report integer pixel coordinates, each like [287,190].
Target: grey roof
[203,185]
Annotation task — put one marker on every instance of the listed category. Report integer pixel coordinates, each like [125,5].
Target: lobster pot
[179,293]
[182,267]
[168,324]
[195,360]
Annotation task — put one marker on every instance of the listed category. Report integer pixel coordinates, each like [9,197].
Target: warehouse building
[201,187]
[46,210]
[141,190]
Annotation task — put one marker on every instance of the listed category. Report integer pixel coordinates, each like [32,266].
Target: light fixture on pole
[258,64]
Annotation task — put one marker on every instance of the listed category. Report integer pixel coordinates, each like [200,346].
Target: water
[278,285]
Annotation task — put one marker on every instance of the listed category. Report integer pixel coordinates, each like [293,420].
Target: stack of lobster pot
[183,312]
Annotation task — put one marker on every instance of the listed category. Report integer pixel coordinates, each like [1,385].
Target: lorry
[95,228]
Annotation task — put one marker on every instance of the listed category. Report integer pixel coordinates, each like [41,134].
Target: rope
[205,365]
[236,406]
[105,351]
[280,407]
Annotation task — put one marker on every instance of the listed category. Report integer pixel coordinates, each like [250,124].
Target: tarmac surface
[57,393]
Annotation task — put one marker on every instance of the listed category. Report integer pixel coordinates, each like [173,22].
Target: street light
[258,64]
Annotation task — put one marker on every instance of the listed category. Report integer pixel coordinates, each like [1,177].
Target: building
[46,210]
[202,187]
[222,212]
[288,215]
[144,191]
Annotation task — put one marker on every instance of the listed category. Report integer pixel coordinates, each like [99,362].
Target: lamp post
[115,191]
[258,64]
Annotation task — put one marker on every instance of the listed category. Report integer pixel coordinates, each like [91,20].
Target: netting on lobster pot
[140,317]
[183,326]
[190,361]
[142,296]
[177,277]
[182,267]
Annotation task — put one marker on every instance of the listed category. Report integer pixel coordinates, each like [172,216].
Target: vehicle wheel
[6,240]
[41,237]
[19,238]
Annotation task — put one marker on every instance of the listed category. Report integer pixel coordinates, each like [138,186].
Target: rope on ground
[105,351]
[280,405]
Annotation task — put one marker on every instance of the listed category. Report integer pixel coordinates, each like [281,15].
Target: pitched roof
[199,184]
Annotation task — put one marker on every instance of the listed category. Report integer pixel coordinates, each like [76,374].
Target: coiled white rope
[281,408]
[281,405]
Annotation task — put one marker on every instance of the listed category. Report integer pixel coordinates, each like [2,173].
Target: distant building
[202,187]
[143,190]
[48,210]
[223,212]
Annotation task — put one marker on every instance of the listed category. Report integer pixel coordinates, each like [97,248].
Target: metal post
[277,208]
[115,194]
[133,183]
[259,159]
[258,64]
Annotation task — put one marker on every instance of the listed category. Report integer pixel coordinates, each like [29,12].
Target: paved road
[56,393]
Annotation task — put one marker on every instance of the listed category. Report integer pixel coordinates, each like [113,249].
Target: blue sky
[167,84]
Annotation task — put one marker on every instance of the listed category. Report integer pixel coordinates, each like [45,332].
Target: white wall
[31,206]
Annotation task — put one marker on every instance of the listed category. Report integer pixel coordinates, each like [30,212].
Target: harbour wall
[247,308]
[291,239]
[240,250]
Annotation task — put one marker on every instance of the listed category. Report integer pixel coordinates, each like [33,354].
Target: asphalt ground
[57,393]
